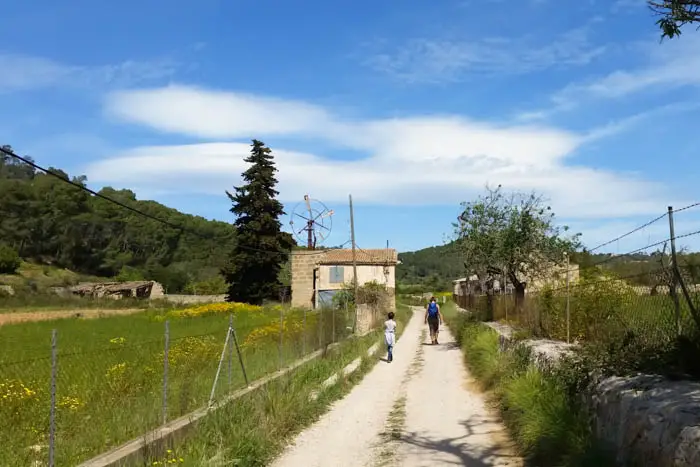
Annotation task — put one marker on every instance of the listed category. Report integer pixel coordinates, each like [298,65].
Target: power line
[127,207]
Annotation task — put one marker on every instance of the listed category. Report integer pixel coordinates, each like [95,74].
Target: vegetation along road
[420,410]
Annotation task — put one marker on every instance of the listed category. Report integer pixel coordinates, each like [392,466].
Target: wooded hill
[48,221]
[435,268]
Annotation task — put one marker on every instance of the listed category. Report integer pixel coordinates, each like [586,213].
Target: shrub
[9,260]
[543,410]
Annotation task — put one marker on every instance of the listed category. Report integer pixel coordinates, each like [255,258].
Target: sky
[410,107]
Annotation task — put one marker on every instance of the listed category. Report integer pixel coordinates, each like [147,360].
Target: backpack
[432,310]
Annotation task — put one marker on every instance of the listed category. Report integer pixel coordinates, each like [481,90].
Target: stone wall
[302,269]
[647,420]
[193,299]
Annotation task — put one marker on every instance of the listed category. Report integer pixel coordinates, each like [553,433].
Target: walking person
[390,336]
[433,319]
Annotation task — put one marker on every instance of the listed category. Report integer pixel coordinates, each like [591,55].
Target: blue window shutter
[336,274]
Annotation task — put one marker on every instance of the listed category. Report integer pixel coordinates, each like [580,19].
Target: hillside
[435,268]
[431,268]
[48,221]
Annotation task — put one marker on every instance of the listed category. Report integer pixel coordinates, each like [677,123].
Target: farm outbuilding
[317,275]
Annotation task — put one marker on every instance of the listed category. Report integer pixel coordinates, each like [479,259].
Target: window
[337,275]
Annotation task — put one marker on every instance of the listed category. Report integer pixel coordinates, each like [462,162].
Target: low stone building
[317,275]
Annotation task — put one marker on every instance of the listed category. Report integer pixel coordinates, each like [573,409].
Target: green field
[252,430]
[110,373]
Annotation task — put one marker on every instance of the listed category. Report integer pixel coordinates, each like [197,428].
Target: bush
[9,260]
[543,411]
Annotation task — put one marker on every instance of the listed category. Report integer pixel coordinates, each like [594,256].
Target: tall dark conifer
[262,247]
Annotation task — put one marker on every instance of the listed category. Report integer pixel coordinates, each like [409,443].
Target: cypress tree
[261,248]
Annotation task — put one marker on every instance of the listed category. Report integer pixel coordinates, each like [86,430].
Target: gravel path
[423,399]
[446,420]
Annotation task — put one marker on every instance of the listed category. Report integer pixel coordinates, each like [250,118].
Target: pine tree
[262,248]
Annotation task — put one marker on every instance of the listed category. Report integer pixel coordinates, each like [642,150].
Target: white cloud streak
[436,61]
[669,66]
[22,73]
[429,160]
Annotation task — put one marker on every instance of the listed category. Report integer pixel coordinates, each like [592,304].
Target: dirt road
[419,410]
[24,317]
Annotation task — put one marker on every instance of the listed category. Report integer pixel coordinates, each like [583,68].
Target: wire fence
[595,302]
[601,310]
[84,387]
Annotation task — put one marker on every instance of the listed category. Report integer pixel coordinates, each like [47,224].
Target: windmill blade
[322,226]
[305,218]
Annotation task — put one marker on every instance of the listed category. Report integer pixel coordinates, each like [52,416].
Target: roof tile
[367,257]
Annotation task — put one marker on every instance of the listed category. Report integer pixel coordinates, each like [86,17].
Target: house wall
[365,273]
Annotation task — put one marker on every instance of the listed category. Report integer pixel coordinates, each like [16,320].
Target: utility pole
[354,261]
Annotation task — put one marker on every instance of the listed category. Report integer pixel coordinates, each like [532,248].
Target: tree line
[45,220]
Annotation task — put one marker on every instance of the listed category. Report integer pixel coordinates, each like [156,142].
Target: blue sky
[412,107]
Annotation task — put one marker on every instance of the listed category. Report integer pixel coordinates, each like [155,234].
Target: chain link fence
[81,387]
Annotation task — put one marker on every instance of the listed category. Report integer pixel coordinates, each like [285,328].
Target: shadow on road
[467,449]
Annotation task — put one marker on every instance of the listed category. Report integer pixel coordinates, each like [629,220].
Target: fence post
[52,413]
[568,312]
[305,334]
[165,371]
[218,369]
[281,333]
[320,328]
[674,276]
[238,351]
[333,318]
[230,353]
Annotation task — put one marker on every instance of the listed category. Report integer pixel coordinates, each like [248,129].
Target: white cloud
[434,61]
[22,72]
[420,160]
[668,66]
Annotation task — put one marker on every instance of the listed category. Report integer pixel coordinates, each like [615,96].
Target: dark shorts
[434,324]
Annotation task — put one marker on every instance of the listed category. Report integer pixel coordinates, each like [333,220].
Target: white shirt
[389,326]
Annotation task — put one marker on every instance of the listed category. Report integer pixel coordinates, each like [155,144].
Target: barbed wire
[690,206]
[636,229]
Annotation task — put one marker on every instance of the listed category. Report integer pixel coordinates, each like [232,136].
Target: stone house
[317,275]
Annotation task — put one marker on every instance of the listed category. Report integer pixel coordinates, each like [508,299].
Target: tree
[675,14]
[511,235]
[252,273]
[9,260]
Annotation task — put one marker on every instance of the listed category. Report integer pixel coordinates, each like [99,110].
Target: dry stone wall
[647,420]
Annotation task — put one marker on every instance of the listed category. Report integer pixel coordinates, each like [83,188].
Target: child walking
[390,336]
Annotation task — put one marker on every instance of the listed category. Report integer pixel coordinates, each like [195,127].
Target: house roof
[366,257]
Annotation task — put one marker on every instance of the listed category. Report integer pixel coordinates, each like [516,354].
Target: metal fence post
[52,413]
[568,299]
[230,353]
[218,369]
[165,371]
[674,276]
[281,334]
[320,328]
[238,351]
[305,334]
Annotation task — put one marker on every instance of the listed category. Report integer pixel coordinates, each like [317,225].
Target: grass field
[110,372]
[253,430]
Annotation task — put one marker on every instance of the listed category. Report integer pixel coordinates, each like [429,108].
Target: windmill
[317,221]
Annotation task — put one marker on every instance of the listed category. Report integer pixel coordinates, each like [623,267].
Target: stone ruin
[119,290]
